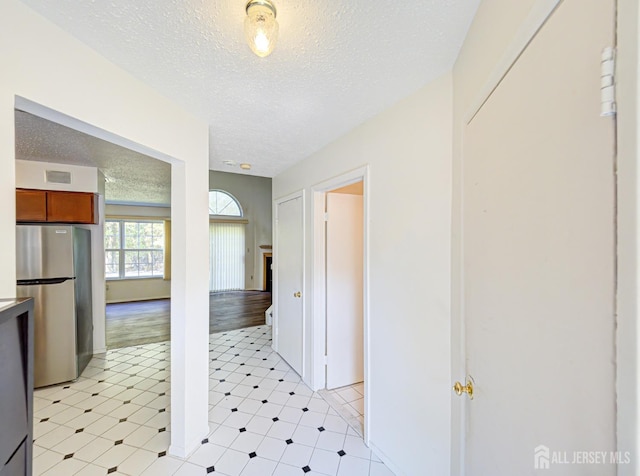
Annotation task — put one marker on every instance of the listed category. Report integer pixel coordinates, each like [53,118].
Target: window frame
[122,250]
[235,200]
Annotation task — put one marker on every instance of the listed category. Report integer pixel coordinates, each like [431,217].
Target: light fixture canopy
[261,27]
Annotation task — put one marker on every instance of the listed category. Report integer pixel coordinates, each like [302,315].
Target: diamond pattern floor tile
[264,420]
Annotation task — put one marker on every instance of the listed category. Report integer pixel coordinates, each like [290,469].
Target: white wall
[408,149]
[49,73]
[131,290]
[31,174]
[136,211]
[628,84]
[254,194]
[127,290]
[99,297]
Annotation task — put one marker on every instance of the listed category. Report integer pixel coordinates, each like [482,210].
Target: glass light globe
[261,27]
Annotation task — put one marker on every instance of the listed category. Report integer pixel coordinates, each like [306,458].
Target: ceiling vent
[57,176]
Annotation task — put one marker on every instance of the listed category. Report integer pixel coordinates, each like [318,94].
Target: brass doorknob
[298,294]
[468,388]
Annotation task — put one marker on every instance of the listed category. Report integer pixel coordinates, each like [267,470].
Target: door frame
[540,12]
[628,239]
[319,294]
[189,297]
[274,263]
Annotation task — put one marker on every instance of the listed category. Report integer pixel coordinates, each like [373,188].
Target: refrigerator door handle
[38,282]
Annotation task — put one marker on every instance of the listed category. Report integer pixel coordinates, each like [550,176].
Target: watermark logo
[544,457]
[541,457]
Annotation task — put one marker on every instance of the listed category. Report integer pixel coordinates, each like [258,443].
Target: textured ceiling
[336,64]
[131,177]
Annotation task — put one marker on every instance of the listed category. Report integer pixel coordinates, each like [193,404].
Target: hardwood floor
[145,322]
[237,310]
[137,323]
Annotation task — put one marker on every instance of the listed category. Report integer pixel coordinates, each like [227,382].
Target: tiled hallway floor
[264,421]
[348,402]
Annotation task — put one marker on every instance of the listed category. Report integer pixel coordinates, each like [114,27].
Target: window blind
[227,255]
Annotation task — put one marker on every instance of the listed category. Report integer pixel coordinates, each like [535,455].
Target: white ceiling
[130,176]
[336,64]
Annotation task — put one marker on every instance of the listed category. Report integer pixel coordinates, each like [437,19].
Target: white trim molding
[318,284]
[538,16]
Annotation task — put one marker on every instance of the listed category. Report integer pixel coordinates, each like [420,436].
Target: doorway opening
[267,283]
[81,170]
[341,297]
[344,248]
[239,231]
[130,247]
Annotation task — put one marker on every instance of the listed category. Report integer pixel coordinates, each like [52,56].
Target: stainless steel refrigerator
[54,267]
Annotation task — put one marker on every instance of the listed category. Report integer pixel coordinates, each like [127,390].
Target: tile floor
[264,421]
[348,402]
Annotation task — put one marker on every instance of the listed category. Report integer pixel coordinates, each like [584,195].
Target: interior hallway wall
[50,73]
[628,298]
[408,150]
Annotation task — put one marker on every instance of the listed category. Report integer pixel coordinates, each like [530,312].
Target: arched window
[227,242]
[222,203]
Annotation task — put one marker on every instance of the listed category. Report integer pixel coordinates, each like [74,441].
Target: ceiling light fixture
[261,27]
[245,166]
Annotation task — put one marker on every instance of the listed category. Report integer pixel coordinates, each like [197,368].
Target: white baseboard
[185,453]
[120,301]
[385,459]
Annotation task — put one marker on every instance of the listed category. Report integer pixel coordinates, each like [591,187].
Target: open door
[345,327]
[538,258]
[289,316]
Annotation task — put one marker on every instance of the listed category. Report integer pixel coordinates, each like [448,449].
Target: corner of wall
[628,219]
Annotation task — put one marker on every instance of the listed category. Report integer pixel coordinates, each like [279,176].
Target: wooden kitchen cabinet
[59,207]
[31,205]
[71,207]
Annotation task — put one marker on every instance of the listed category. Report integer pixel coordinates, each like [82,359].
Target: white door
[345,341]
[289,263]
[538,257]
